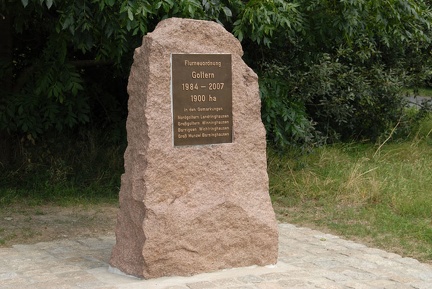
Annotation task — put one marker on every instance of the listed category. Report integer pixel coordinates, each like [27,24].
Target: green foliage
[285,117]
[54,99]
[342,65]
[352,102]
[330,70]
[57,44]
[261,21]
[87,169]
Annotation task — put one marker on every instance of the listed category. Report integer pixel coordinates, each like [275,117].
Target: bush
[83,165]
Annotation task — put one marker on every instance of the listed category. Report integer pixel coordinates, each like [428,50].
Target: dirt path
[21,224]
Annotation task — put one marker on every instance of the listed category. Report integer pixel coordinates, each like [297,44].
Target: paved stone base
[307,259]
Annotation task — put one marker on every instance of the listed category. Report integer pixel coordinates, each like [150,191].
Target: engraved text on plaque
[201,99]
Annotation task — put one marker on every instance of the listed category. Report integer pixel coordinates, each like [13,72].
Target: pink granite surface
[192,209]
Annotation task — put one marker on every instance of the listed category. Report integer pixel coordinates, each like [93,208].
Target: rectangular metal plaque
[201,90]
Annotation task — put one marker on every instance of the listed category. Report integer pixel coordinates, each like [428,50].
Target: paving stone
[305,261]
[201,285]
[336,277]
[8,275]
[273,276]
[227,282]
[270,285]
[356,285]
[420,274]
[294,283]
[387,284]
[401,278]
[420,285]
[326,284]
[250,279]
[327,263]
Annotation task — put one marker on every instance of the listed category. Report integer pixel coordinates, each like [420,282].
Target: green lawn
[380,195]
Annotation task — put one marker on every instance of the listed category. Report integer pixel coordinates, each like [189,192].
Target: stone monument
[194,196]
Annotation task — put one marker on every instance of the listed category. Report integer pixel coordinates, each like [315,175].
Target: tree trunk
[5,149]
[6,82]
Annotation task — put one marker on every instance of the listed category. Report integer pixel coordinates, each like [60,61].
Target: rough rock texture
[192,209]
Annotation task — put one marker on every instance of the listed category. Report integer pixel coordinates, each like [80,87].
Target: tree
[5,57]
[342,66]
[70,59]
[329,70]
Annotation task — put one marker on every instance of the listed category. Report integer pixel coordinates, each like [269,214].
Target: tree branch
[90,63]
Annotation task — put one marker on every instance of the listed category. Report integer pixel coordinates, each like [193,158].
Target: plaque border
[172,102]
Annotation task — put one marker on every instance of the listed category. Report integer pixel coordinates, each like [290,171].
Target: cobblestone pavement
[307,259]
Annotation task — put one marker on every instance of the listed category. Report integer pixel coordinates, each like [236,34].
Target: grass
[424,91]
[378,194]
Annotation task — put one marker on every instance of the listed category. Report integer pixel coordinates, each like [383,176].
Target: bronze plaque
[201,88]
